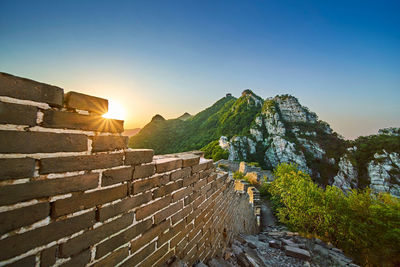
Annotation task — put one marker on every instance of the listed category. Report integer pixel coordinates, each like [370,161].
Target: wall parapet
[73,193]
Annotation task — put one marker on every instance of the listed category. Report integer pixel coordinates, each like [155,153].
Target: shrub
[237,175]
[363,224]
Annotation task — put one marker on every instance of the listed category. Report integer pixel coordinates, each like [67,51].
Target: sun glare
[115,111]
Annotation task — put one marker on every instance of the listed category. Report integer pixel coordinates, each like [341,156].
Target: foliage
[214,151]
[223,167]
[237,175]
[253,163]
[365,225]
[367,146]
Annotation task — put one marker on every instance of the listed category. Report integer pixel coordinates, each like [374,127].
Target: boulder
[297,253]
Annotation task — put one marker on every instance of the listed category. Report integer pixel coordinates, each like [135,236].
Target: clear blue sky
[340,58]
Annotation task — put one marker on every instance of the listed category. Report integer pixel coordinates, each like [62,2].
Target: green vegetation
[228,116]
[237,175]
[364,225]
[214,151]
[367,146]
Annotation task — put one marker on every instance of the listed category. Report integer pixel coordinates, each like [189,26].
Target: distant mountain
[275,130]
[185,116]
[131,132]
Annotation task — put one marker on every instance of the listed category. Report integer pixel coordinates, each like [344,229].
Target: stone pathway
[277,247]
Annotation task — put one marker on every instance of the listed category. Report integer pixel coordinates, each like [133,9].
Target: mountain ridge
[271,131]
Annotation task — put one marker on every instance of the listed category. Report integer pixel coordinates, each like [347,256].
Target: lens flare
[115,111]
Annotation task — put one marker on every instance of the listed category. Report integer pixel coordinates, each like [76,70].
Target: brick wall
[73,194]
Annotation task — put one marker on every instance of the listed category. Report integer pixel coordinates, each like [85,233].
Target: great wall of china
[73,194]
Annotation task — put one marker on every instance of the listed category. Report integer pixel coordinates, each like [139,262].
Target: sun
[115,111]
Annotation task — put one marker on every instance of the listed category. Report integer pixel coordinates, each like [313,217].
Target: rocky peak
[184,116]
[158,117]
[252,98]
[292,111]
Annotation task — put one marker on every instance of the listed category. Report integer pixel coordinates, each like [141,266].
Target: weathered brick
[48,256]
[78,260]
[17,114]
[155,256]
[181,193]
[87,200]
[80,163]
[16,168]
[188,181]
[14,193]
[149,209]
[178,238]
[211,178]
[86,102]
[94,236]
[181,214]
[123,206]
[18,244]
[164,237]
[140,256]
[40,142]
[13,219]
[143,171]
[165,259]
[69,120]
[138,156]
[21,88]
[203,164]
[122,238]
[114,258]
[192,215]
[29,261]
[167,189]
[205,173]
[163,178]
[115,176]
[149,235]
[167,164]
[197,186]
[189,160]
[189,199]
[180,174]
[198,201]
[144,185]
[109,143]
[161,215]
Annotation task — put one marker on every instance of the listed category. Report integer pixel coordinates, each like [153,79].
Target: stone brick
[40,142]
[16,168]
[123,206]
[21,88]
[167,189]
[197,186]
[189,160]
[122,238]
[14,193]
[200,167]
[149,209]
[138,156]
[144,185]
[205,174]
[189,199]
[13,219]
[192,215]
[165,259]
[18,244]
[70,120]
[29,261]
[110,177]
[149,235]
[167,164]
[181,174]
[161,215]
[164,178]
[181,214]
[140,256]
[84,241]
[188,181]
[86,102]
[181,193]
[164,237]
[155,256]
[87,200]
[78,260]
[48,256]
[80,163]
[178,238]
[109,143]
[17,114]
[143,171]
[114,258]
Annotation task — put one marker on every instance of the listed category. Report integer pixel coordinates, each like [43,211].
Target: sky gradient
[339,58]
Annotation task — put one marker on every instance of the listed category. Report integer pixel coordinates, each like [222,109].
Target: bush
[363,224]
[214,151]
[237,175]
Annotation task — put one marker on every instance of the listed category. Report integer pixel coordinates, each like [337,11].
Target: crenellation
[73,193]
